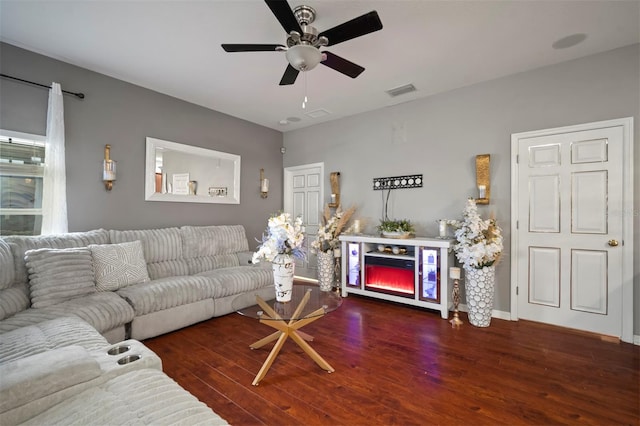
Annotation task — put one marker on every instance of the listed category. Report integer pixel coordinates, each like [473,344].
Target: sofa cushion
[165,293]
[162,250]
[142,397]
[56,275]
[103,310]
[7,268]
[118,265]
[201,241]
[28,379]
[48,335]
[21,244]
[213,247]
[209,263]
[231,281]
[14,300]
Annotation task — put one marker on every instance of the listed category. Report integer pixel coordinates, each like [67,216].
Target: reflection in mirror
[184,173]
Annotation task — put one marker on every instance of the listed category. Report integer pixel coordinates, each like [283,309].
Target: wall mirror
[188,174]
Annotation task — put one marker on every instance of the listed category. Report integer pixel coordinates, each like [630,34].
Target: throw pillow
[57,275]
[118,265]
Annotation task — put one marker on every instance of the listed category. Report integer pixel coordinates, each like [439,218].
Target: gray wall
[440,136]
[123,115]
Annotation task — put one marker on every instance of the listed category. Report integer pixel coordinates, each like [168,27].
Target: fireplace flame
[390,279]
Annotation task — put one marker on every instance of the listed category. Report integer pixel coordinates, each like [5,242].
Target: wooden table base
[286,330]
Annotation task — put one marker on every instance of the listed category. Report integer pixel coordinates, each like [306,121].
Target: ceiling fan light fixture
[303,42]
[303,57]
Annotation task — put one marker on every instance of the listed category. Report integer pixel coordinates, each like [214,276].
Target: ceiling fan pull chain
[304,102]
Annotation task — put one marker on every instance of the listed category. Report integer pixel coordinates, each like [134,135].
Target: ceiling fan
[304,41]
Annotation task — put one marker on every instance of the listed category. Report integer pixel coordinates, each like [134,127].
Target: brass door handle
[613,243]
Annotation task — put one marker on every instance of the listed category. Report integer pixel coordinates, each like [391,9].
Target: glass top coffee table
[307,304]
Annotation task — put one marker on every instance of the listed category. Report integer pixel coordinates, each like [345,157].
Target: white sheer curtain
[54,190]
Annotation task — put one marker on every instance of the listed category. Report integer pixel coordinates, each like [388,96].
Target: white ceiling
[173,47]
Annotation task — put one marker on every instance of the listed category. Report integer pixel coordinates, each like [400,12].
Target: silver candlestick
[455,275]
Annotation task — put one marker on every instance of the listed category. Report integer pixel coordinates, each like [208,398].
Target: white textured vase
[283,269]
[479,288]
[325,270]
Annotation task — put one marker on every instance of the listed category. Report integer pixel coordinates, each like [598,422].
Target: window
[21,178]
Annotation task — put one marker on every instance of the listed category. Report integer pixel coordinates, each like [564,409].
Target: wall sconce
[483,178]
[264,185]
[108,169]
[334,178]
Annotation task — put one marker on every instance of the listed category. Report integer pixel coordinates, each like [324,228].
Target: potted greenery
[396,228]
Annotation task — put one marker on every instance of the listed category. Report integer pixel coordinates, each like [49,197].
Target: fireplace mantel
[412,271]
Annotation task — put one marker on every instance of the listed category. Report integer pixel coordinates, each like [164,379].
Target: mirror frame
[150,194]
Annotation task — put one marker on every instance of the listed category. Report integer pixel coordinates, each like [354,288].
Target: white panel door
[303,194]
[569,252]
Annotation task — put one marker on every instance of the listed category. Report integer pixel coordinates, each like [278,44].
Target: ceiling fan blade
[342,65]
[250,47]
[365,24]
[289,76]
[284,14]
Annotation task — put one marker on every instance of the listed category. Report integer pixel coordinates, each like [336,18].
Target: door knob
[613,243]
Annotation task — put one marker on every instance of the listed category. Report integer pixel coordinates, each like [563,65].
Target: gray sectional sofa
[66,300]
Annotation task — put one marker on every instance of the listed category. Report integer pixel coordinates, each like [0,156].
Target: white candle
[442,227]
[109,170]
[109,175]
[454,273]
[356,226]
[333,198]
[482,191]
[264,187]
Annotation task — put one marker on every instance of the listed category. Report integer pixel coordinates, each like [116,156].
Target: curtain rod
[79,95]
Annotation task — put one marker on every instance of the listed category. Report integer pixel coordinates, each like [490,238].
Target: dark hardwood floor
[397,365]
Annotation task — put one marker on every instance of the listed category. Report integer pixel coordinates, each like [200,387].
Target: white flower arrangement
[479,241]
[283,236]
[327,237]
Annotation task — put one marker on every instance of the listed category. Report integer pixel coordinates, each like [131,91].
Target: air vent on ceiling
[407,88]
[318,113]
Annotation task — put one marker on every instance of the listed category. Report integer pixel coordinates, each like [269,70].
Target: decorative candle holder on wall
[108,169]
[334,178]
[264,185]
[483,178]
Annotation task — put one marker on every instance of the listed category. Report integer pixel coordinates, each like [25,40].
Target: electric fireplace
[388,275]
[411,271]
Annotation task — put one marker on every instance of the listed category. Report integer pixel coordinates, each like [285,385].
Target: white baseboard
[503,315]
[507,316]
